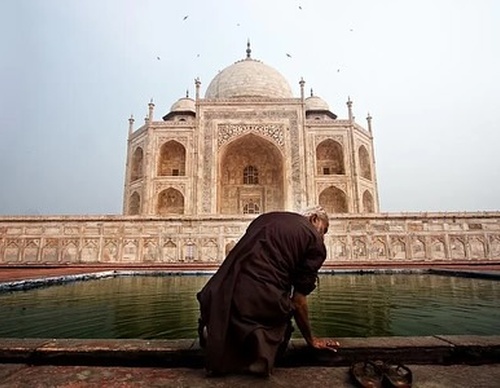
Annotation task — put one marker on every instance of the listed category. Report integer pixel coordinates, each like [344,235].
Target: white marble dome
[184,104]
[248,78]
[316,103]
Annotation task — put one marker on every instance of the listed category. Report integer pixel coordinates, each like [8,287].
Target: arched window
[170,201]
[250,175]
[333,200]
[137,168]
[134,204]
[364,163]
[368,202]
[172,161]
[330,158]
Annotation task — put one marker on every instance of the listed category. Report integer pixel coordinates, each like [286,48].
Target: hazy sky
[72,72]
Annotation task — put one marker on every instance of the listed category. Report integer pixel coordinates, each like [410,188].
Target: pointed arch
[251,176]
[137,169]
[417,248]
[364,163]
[333,200]
[368,206]
[172,160]
[170,252]
[330,158]
[134,207]
[457,248]
[70,252]
[170,201]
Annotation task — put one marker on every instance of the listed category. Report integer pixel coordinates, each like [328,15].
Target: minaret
[349,109]
[130,125]
[302,83]
[197,84]
[151,106]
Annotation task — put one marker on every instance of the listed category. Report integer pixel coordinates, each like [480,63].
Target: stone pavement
[424,376]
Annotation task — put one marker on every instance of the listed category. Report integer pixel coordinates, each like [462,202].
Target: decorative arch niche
[137,171]
[251,176]
[333,200]
[329,158]
[172,160]
[364,163]
[170,201]
[368,206]
[134,206]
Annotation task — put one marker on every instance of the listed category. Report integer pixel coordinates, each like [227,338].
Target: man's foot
[259,367]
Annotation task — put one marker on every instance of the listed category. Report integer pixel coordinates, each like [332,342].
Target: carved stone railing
[352,239]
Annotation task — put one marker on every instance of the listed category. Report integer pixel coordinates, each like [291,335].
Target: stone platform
[439,361]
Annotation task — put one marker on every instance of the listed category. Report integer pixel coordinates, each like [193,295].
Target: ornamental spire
[249,50]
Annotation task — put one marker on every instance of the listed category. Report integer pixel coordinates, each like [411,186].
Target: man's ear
[313,218]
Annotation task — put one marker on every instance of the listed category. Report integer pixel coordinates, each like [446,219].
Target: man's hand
[323,343]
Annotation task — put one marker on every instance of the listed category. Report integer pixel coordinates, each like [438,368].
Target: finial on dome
[187,93]
[249,50]
[312,94]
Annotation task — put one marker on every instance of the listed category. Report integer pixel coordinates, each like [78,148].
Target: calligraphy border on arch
[273,131]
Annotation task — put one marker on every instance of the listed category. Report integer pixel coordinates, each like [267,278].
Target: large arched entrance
[251,176]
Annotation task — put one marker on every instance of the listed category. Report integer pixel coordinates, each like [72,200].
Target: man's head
[318,217]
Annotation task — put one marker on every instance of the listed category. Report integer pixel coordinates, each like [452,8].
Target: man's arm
[301,315]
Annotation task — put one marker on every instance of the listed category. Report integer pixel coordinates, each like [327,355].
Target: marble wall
[353,238]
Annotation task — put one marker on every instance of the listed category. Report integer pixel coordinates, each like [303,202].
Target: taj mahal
[249,146]
[199,173]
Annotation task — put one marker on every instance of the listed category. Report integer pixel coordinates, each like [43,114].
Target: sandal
[366,374]
[395,374]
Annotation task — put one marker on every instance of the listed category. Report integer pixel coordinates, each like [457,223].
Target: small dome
[184,104]
[316,103]
[248,78]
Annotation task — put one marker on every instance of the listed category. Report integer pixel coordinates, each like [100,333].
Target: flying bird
[158,58]
[288,55]
[185,17]
[300,7]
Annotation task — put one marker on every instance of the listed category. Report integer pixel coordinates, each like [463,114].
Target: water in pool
[165,307]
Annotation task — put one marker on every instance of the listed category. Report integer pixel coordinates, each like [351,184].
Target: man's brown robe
[246,306]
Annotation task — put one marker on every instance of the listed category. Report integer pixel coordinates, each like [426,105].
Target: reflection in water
[342,306]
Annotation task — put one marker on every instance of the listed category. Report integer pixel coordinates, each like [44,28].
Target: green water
[347,305]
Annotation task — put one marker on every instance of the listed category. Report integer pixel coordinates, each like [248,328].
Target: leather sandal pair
[377,374]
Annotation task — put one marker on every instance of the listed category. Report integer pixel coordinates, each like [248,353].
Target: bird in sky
[158,58]
[300,7]
[288,55]
[185,17]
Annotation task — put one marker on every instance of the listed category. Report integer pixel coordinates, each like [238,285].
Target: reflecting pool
[165,307]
